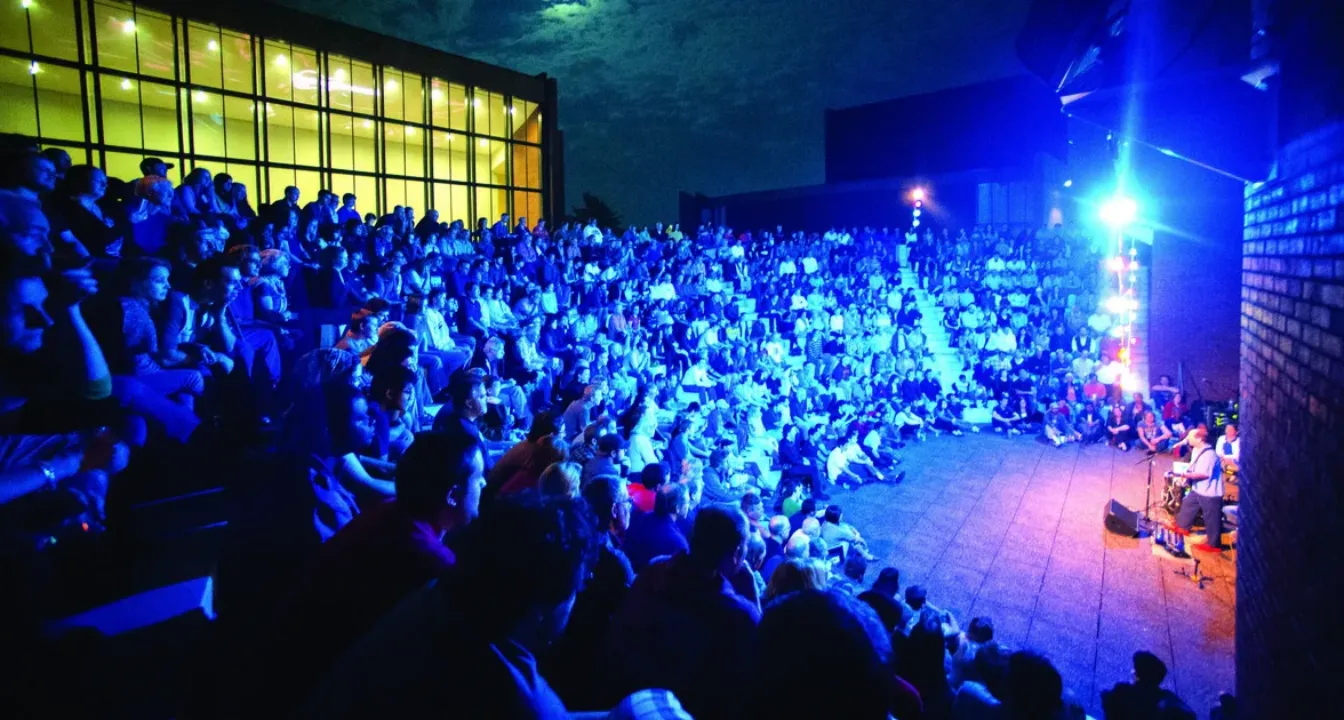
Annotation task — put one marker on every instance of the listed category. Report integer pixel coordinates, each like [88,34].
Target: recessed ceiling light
[128,26]
[212,46]
[126,84]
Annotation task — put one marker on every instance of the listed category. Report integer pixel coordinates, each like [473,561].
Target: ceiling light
[475,102]
[1068,183]
[126,84]
[128,26]
[484,143]
[436,95]
[368,124]
[34,68]
[212,46]
[510,109]
[26,3]
[391,85]
[199,95]
[281,60]
[410,131]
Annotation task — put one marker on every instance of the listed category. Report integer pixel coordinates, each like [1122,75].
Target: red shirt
[641,496]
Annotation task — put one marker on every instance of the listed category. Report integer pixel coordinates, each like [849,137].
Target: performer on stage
[1229,451]
[1206,492]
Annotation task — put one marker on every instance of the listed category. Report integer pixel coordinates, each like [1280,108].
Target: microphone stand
[1145,523]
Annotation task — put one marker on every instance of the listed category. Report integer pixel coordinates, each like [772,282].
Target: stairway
[947,362]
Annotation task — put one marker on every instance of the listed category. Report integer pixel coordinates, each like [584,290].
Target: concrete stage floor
[1012,529]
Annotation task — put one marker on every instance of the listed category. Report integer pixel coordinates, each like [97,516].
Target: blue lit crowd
[518,470]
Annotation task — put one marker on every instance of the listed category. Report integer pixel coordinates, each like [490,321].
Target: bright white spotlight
[1119,211]
[1068,183]
[918,212]
[917,194]
[914,223]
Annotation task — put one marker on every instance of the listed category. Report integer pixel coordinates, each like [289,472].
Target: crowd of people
[513,469]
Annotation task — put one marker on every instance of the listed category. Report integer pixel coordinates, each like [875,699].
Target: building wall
[1292,382]
[113,82]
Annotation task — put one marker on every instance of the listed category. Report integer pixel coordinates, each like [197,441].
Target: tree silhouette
[595,207]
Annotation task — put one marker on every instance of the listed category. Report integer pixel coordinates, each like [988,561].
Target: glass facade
[113,82]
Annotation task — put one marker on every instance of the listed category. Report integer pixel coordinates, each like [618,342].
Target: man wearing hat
[155,167]
[607,461]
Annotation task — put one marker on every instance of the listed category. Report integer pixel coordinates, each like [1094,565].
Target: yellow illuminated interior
[269,113]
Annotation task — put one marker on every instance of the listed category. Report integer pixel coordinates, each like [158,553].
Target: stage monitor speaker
[1121,520]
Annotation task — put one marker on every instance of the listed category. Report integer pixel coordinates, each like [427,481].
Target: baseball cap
[147,165]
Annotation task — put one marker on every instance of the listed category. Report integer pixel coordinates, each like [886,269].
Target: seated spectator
[793,575]
[1144,697]
[886,599]
[520,456]
[560,479]
[1119,433]
[655,534]
[50,484]
[644,489]
[569,663]
[607,460]
[1152,434]
[510,592]
[391,395]
[686,625]
[835,531]
[369,565]
[855,668]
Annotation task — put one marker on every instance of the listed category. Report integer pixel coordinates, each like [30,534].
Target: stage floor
[1012,529]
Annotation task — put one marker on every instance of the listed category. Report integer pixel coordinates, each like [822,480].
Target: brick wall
[1292,380]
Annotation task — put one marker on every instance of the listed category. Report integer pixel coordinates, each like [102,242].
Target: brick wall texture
[1289,601]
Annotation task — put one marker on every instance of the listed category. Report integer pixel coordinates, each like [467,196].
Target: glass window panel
[14,26]
[207,124]
[278,71]
[155,43]
[159,116]
[366,190]
[245,174]
[115,26]
[366,145]
[526,166]
[394,150]
[394,96]
[450,155]
[277,179]
[415,197]
[480,111]
[339,83]
[342,142]
[205,55]
[342,183]
[236,53]
[307,139]
[457,107]
[308,181]
[18,113]
[280,135]
[363,88]
[126,165]
[414,138]
[120,110]
[413,90]
[492,167]
[53,27]
[438,103]
[396,194]
[499,116]
[442,201]
[240,128]
[527,205]
[517,112]
[485,205]
[307,77]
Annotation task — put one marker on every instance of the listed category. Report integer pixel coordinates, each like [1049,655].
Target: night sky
[712,96]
